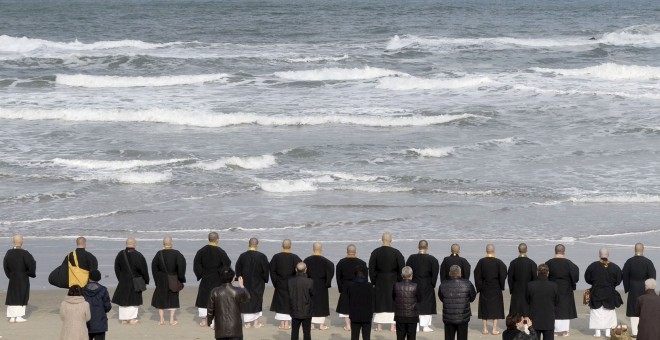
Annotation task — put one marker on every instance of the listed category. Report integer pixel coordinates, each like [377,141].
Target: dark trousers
[546,335]
[406,330]
[306,326]
[96,336]
[356,327]
[454,329]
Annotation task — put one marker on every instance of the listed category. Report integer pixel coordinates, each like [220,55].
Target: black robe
[385,266]
[19,266]
[345,275]
[542,297]
[522,270]
[603,280]
[635,271]
[321,271]
[282,268]
[425,274]
[566,275]
[206,265]
[175,264]
[454,259]
[125,294]
[489,279]
[253,267]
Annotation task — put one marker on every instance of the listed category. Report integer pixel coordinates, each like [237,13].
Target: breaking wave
[112,165]
[609,71]
[248,163]
[82,80]
[434,152]
[25,44]
[339,74]
[414,83]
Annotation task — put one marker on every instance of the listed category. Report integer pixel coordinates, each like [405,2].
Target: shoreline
[43,316]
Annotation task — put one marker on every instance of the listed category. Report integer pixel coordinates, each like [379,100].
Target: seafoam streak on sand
[82,80]
[113,165]
[631,198]
[192,118]
[609,71]
[248,163]
[334,73]
[59,219]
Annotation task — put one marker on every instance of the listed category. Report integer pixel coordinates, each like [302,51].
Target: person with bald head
[167,261]
[129,264]
[522,270]
[426,269]
[252,266]
[207,266]
[566,275]
[80,258]
[346,273]
[19,266]
[636,271]
[300,290]
[490,278]
[321,271]
[603,276]
[454,259]
[283,267]
[385,265]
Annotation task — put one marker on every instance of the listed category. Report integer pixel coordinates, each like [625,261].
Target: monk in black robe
[282,268]
[167,261]
[635,271]
[207,264]
[346,271]
[129,263]
[321,271]
[603,276]
[252,266]
[19,266]
[490,278]
[385,264]
[566,275]
[425,268]
[86,260]
[454,259]
[522,270]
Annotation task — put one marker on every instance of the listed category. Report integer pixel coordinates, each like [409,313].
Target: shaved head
[167,241]
[522,248]
[560,249]
[351,249]
[18,240]
[455,248]
[253,243]
[81,242]
[387,237]
[301,267]
[603,253]
[490,248]
[213,237]
[639,248]
[286,244]
[131,242]
[317,247]
[423,245]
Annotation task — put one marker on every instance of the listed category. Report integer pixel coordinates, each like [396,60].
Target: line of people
[383,271]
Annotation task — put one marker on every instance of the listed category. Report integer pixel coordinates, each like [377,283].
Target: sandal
[258,325]
[323,327]
[202,323]
[347,329]
[495,332]
[134,322]
[161,323]
[174,323]
[247,325]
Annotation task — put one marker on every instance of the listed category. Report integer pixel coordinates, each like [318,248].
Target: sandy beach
[44,321]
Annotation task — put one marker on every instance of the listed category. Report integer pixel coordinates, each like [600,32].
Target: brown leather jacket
[225,308]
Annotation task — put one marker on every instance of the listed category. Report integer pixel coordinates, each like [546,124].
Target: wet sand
[44,321]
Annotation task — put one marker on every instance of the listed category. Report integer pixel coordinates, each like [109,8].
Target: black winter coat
[360,296]
[456,295]
[301,290]
[99,304]
[406,298]
[224,306]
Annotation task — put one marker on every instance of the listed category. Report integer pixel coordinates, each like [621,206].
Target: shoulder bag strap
[163,260]
[128,263]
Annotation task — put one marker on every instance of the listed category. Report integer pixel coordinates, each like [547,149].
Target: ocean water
[331,120]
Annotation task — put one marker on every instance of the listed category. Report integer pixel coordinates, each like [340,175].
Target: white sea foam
[406,41]
[112,165]
[414,83]
[316,59]
[634,198]
[469,192]
[128,177]
[249,163]
[58,219]
[338,74]
[652,96]
[434,152]
[609,71]
[344,176]
[288,186]
[640,35]
[83,80]
[25,44]
[370,188]
[182,117]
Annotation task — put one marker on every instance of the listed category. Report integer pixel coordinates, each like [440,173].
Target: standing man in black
[321,271]
[207,266]
[385,264]
[454,259]
[346,273]
[543,298]
[252,266]
[301,292]
[19,266]
[456,295]
[565,274]
[86,260]
[282,268]
[522,270]
[224,307]
[426,268]
[129,263]
[490,277]
[407,296]
[360,296]
[635,272]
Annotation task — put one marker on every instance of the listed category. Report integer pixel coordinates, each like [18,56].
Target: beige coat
[74,312]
